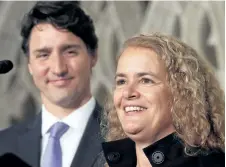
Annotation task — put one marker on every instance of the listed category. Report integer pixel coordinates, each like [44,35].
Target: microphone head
[5,66]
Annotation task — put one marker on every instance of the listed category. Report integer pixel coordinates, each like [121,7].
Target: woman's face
[142,97]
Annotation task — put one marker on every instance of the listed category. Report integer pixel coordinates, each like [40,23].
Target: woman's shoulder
[216,159]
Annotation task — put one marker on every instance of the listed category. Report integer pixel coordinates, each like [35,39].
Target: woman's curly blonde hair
[198,104]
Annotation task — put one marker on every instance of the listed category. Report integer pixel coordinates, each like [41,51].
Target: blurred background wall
[200,24]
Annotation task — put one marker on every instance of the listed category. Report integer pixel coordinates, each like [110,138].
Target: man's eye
[120,82]
[72,52]
[42,55]
[147,81]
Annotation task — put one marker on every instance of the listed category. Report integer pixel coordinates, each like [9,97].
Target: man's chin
[63,102]
[58,100]
[64,99]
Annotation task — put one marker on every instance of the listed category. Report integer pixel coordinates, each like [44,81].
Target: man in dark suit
[61,45]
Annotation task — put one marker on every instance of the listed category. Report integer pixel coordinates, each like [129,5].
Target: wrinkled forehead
[140,60]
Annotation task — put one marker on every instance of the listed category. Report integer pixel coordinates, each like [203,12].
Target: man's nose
[59,66]
[131,92]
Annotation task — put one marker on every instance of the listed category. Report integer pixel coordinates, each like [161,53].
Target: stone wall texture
[200,24]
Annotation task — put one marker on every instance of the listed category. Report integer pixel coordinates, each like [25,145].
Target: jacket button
[158,157]
[113,157]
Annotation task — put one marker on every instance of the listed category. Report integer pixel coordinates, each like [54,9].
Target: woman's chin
[132,129]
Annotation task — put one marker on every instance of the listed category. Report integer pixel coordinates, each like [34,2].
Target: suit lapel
[29,142]
[90,144]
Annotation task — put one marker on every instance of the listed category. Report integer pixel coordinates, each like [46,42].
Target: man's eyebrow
[119,75]
[62,48]
[41,50]
[70,46]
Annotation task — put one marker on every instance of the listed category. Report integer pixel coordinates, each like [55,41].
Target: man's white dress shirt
[77,122]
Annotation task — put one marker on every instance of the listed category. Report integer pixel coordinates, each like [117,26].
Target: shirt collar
[169,147]
[73,120]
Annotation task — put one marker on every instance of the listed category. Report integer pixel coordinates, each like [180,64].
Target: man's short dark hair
[63,15]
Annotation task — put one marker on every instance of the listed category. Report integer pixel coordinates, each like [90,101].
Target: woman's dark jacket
[167,152]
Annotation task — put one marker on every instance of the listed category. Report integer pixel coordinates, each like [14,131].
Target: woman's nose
[130,92]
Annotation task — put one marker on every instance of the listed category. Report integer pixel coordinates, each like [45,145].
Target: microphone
[5,66]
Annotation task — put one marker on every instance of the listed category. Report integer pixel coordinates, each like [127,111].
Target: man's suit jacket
[24,141]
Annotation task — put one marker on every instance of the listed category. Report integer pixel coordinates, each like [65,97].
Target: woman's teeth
[134,109]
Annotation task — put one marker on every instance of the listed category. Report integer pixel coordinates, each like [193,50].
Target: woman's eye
[147,81]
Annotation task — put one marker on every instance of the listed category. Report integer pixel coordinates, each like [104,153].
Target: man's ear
[29,68]
[94,58]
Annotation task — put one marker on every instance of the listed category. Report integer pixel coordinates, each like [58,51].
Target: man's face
[60,65]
